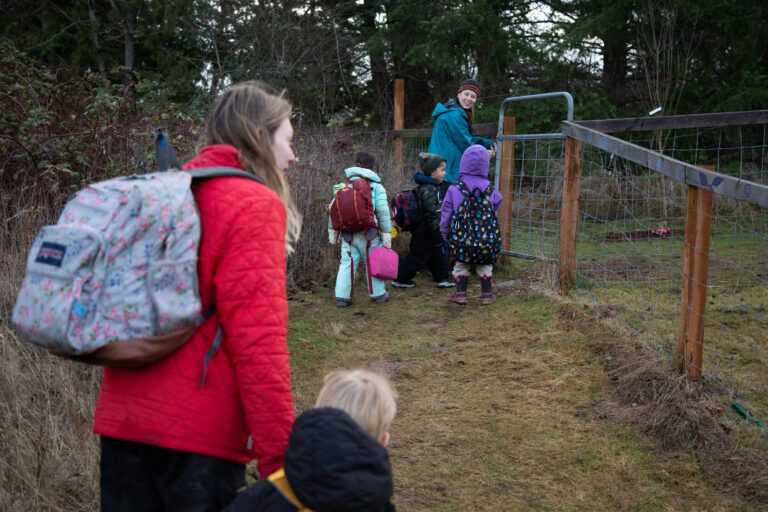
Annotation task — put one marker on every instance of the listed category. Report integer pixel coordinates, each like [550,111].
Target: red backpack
[352,208]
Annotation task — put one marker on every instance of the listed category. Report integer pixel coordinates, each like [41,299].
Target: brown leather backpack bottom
[137,353]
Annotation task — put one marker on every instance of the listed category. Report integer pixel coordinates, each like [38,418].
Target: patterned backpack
[351,210]
[115,280]
[475,234]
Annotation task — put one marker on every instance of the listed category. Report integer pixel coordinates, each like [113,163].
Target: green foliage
[61,127]
[617,57]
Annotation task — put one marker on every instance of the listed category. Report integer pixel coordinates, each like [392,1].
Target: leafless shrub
[312,180]
[49,454]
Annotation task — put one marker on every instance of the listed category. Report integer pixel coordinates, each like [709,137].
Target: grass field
[507,406]
[511,406]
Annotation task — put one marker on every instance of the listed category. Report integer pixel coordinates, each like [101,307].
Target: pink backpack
[382,263]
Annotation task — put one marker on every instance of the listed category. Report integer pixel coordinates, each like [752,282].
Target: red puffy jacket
[245,410]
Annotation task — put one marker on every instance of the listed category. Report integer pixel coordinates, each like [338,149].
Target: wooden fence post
[693,296]
[506,182]
[569,220]
[399,123]
[689,248]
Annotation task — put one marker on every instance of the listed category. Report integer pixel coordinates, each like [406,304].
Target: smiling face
[467,99]
[282,140]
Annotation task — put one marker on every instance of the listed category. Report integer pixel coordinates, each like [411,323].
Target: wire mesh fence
[631,245]
[536,166]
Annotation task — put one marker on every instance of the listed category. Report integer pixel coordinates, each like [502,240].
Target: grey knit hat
[429,162]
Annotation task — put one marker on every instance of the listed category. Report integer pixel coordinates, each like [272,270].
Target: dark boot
[486,287]
[460,293]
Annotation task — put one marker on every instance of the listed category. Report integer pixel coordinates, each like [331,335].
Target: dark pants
[423,252]
[138,477]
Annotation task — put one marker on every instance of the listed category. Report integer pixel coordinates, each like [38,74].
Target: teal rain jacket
[452,135]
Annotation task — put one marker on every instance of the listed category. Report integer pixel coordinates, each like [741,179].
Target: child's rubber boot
[459,295]
[486,288]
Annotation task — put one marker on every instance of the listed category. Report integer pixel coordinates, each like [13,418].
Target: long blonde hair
[246,116]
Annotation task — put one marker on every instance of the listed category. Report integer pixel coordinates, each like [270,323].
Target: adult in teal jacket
[452,133]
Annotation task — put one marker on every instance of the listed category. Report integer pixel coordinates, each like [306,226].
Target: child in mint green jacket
[355,246]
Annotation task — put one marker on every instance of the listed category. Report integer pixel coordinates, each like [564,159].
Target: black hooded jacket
[332,465]
[430,195]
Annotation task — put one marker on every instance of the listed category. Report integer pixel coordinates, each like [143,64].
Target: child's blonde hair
[367,396]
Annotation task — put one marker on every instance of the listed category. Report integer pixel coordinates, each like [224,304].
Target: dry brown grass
[681,415]
[500,407]
[49,454]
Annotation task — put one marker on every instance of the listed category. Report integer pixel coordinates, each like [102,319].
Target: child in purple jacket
[473,172]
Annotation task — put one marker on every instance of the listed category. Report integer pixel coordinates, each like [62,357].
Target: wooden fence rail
[703,182]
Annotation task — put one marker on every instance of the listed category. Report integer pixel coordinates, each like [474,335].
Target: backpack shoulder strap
[463,188]
[488,190]
[204,173]
[280,481]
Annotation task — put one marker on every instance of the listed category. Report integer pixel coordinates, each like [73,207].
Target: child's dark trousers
[423,252]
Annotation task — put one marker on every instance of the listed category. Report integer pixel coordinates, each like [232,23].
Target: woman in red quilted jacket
[171,440]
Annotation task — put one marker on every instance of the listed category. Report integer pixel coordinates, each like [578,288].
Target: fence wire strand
[629,256]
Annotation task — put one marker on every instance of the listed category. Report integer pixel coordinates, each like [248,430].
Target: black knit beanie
[471,85]
[429,162]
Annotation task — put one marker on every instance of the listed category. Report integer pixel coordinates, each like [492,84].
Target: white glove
[333,236]
[386,240]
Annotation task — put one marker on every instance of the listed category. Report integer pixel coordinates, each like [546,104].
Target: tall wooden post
[399,121]
[689,354]
[689,248]
[506,182]
[569,220]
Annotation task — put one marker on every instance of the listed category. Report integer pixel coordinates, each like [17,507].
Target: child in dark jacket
[337,458]
[427,248]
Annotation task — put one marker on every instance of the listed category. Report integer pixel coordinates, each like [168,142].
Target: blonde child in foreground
[336,459]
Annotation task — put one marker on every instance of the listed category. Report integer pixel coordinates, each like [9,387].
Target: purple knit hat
[475,161]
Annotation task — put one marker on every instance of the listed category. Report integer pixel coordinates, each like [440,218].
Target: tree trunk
[380,87]
[129,31]
[127,21]
[98,55]
[615,49]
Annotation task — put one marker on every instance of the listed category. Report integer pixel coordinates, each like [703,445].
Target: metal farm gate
[529,174]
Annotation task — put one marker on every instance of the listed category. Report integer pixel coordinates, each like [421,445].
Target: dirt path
[500,406]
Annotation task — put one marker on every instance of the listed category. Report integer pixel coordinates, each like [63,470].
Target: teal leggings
[352,253]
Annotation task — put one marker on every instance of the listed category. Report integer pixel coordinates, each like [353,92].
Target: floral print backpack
[475,234]
[118,270]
